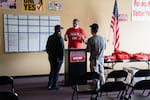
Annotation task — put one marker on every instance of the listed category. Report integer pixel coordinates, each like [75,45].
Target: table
[114,62]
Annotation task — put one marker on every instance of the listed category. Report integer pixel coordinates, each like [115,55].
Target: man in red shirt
[75,35]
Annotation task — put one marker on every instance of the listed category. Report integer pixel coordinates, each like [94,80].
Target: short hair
[94,27]
[76,20]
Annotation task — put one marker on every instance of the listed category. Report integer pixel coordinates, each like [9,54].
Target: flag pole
[115,27]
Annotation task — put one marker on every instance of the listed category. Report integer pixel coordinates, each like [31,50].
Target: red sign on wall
[77,56]
[141,10]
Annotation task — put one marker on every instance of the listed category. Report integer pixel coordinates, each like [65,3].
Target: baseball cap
[58,27]
[94,26]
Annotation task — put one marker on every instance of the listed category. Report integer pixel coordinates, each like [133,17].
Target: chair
[118,87]
[83,85]
[139,77]
[117,75]
[7,80]
[140,85]
[8,95]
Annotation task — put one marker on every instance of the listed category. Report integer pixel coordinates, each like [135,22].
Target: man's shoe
[49,86]
[56,88]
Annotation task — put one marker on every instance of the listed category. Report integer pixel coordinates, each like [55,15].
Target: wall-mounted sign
[33,5]
[8,4]
[141,10]
[77,56]
[55,6]
[123,17]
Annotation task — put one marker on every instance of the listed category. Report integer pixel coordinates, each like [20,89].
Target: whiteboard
[28,33]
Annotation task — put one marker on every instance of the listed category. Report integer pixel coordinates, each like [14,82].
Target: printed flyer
[141,10]
[33,5]
[55,6]
[8,4]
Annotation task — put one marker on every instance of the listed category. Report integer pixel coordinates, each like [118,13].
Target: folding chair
[140,75]
[83,85]
[112,88]
[137,77]
[117,75]
[7,80]
[8,95]
[140,85]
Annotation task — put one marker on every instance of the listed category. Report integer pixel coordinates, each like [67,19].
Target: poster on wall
[8,4]
[54,6]
[123,17]
[141,10]
[33,5]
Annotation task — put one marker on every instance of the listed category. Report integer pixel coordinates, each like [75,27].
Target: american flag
[114,26]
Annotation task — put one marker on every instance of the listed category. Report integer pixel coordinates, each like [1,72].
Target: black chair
[111,88]
[8,95]
[117,75]
[83,85]
[140,85]
[139,76]
[7,80]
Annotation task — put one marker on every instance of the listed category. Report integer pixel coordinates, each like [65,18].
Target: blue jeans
[54,71]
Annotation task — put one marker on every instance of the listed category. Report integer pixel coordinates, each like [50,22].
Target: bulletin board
[28,33]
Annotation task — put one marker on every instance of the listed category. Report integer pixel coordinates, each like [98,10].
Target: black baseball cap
[94,26]
[58,27]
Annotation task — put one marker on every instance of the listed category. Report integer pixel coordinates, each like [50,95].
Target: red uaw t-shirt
[74,36]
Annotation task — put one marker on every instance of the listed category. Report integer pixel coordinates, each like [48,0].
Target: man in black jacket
[55,50]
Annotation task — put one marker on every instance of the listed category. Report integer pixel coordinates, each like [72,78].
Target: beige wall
[134,35]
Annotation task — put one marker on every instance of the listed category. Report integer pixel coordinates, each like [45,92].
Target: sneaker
[49,87]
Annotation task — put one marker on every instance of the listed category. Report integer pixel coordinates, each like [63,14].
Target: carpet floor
[35,88]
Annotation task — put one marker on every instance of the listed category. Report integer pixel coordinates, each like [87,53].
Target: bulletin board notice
[28,33]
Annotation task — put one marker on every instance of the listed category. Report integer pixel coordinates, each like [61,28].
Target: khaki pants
[98,66]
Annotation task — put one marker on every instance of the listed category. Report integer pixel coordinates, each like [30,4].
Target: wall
[134,35]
